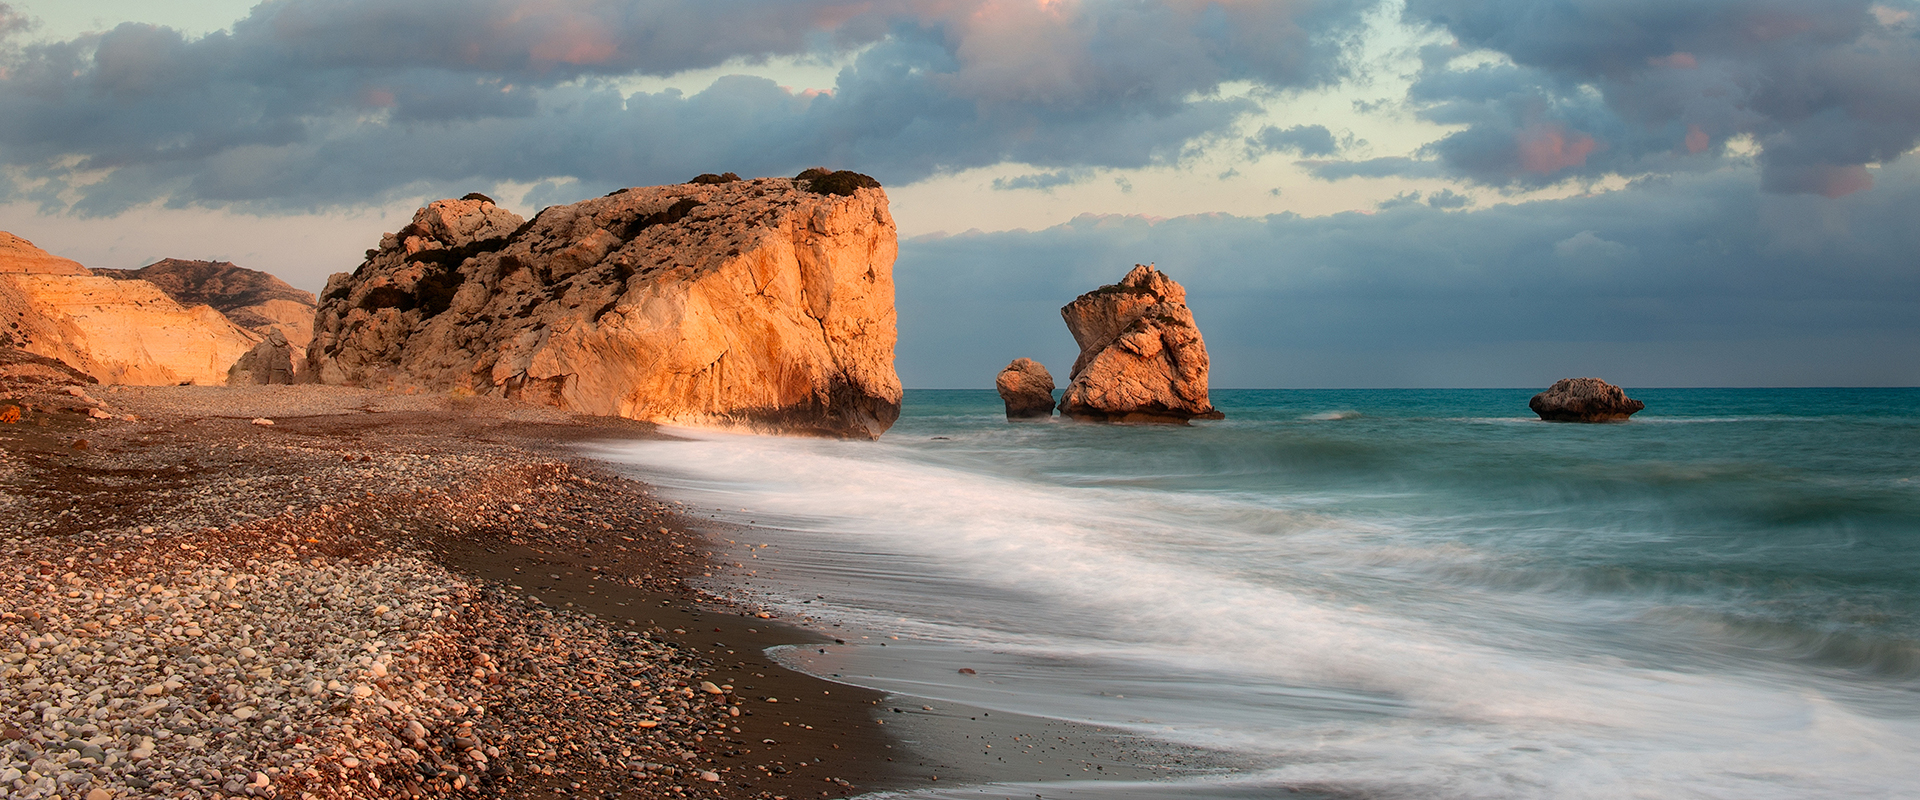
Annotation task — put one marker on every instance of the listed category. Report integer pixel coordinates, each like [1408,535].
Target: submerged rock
[1141,356]
[1584,400]
[1027,389]
[764,304]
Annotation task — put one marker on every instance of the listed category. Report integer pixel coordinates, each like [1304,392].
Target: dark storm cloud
[311,103]
[1634,86]
[1693,280]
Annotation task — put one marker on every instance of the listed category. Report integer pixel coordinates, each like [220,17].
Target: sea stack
[1141,356]
[1584,400]
[762,304]
[1027,389]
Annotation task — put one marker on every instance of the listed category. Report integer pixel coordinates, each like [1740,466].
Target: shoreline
[566,651]
[169,545]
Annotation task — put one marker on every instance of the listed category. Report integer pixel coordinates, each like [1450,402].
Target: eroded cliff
[118,331]
[764,304]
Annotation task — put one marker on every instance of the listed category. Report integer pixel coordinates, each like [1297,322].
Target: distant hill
[252,299]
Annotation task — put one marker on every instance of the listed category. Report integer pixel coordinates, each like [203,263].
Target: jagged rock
[1027,389]
[21,371]
[30,382]
[1141,356]
[1584,400]
[269,362]
[754,304]
[118,331]
[253,299]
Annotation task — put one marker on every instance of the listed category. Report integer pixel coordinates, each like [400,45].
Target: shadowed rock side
[1141,356]
[757,304]
[119,331]
[269,362]
[253,299]
[1584,400]
[1027,389]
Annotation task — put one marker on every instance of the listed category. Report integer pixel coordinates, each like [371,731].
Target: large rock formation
[1584,400]
[269,362]
[1027,389]
[250,298]
[1141,357]
[764,304]
[116,331]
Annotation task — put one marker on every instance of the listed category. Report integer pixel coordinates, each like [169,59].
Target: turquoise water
[1384,593]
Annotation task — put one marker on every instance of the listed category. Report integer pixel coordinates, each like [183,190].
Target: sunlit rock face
[250,298]
[1141,356]
[118,331]
[1027,388]
[762,304]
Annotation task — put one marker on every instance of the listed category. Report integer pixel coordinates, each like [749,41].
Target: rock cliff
[118,331]
[764,304]
[1027,388]
[250,298]
[1584,400]
[1141,356]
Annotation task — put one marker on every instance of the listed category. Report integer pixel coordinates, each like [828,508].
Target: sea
[1375,593]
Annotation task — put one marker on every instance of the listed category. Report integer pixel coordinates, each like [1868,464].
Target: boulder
[118,331]
[1584,400]
[269,362]
[762,304]
[1141,356]
[250,298]
[1027,389]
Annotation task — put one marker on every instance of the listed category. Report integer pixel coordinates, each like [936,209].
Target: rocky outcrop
[1027,389]
[250,298]
[269,362]
[19,257]
[1584,400]
[764,304]
[1141,356]
[118,331]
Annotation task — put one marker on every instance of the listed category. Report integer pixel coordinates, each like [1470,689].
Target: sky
[1357,193]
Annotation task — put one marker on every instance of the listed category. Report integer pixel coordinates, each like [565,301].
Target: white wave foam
[1264,627]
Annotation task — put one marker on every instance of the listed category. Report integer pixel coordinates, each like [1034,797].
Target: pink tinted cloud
[575,41]
[1679,60]
[1697,139]
[1549,148]
[1839,181]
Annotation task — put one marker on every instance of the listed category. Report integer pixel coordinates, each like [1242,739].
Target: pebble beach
[321,592]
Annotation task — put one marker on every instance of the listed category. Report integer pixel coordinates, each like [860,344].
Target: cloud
[1597,87]
[1699,279]
[1386,167]
[1043,181]
[322,103]
[1306,140]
